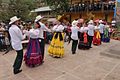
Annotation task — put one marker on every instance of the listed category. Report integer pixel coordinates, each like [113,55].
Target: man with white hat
[101,29]
[74,36]
[41,35]
[90,32]
[16,38]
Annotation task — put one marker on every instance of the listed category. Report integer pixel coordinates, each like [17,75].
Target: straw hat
[60,17]
[13,19]
[39,17]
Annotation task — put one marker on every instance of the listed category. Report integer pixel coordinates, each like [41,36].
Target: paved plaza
[84,65]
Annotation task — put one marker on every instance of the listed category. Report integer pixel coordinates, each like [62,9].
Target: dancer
[106,36]
[90,32]
[97,37]
[56,48]
[101,29]
[42,28]
[74,36]
[16,39]
[83,39]
[33,55]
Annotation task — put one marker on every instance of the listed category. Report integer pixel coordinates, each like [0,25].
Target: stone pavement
[84,65]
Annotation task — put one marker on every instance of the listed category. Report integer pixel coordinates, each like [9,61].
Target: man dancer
[41,34]
[16,38]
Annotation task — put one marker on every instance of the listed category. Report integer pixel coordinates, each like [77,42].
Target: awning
[52,20]
[42,9]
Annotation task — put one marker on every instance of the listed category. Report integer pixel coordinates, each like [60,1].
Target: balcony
[94,7]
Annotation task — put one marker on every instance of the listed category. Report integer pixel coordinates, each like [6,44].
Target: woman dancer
[33,54]
[56,48]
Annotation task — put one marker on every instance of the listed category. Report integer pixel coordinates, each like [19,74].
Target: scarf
[98,35]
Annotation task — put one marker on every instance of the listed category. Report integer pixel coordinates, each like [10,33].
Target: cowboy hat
[100,21]
[90,22]
[13,19]
[39,17]
[74,23]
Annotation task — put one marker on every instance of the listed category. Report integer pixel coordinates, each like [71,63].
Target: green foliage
[20,8]
[58,5]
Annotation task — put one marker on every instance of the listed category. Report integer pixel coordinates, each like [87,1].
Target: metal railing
[83,7]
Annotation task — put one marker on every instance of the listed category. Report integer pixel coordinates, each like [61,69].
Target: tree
[59,6]
[20,8]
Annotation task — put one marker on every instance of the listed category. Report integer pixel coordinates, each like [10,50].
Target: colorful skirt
[56,48]
[97,39]
[83,42]
[106,36]
[33,55]
[106,40]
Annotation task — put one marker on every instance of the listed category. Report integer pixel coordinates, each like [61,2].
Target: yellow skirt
[56,48]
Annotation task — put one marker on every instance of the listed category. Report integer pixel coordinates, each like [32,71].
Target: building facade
[90,9]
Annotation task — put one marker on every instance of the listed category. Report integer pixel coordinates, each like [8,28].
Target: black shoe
[42,62]
[73,52]
[90,47]
[17,71]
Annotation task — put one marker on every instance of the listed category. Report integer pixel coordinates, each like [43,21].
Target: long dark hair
[38,24]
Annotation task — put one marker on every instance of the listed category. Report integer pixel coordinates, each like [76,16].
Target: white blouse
[97,28]
[58,28]
[34,33]
[84,29]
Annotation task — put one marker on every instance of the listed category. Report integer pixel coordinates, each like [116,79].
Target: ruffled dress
[83,41]
[97,37]
[56,48]
[33,55]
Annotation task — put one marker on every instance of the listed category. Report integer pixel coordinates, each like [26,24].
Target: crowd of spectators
[96,6]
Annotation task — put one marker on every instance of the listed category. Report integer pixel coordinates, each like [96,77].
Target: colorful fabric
[83,44]
[56,48]
[97,38]
[85,37]
[106,37]
[33,55]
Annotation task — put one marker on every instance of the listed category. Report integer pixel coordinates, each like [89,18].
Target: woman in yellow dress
[56,48]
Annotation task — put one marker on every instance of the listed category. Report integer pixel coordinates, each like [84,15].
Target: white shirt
[97,28]
[58,28]
[91,30]
[84,29]
[16,37]
[74,30]
[34,33]
[42,29]
[101,28]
